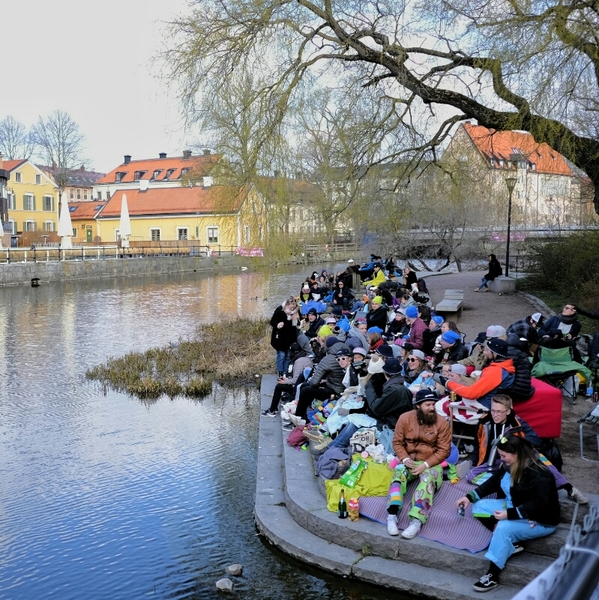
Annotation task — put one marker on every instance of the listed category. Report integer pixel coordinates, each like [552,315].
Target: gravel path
[483,309]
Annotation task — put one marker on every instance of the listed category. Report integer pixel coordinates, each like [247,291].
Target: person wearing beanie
[417,327]
[430,335]
[342,295]
[378,276]
[398,327]
[528,506]
[494,379]
[452,348]
[422,441]
[377,314]
[477,359]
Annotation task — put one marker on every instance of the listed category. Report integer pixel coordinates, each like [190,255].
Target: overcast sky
[94,61]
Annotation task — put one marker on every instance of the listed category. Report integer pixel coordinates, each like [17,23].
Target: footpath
[291,512]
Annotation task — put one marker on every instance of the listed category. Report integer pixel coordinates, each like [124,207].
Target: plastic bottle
[354,509]
[590,391]
[342,507]
[352,475]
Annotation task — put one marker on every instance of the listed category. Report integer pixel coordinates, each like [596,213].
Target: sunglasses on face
[412,360]
[340,358]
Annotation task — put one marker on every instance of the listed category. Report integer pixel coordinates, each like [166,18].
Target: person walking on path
[495,270]
[422,441]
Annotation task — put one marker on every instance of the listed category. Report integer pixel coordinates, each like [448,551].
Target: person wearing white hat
[527,329]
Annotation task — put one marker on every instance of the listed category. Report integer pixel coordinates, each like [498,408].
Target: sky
[97,65]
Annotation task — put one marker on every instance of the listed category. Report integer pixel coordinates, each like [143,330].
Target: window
[48,202]
[99,195]
[168,174]
[72,194]
[119,176]
[48,226]
[12,201]
[155,235]
[13,226]
[74,231]
[156,173]
[117,235]
[247,234]
[28,202]
[38,179]
[85,194]
[138,175]
[260,233]
[212,235]
[78,194]
[18,178]
[182,233]
[29,226]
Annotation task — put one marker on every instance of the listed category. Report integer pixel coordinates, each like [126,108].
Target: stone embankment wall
[47,272]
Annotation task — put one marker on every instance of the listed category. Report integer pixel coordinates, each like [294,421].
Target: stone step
[307,507]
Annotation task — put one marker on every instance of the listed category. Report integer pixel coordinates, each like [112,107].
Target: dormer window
[168,174]
[156,173]
[184,172]
[138,175]
[119,176]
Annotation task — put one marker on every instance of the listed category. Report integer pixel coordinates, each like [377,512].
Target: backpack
[421,283]
[296,439]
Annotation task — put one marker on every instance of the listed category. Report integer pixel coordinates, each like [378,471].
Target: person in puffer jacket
[522,388]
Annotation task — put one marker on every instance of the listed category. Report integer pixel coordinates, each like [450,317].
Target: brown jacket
[431,443]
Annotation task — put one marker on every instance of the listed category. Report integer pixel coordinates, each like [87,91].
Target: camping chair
[558,368]
[462,430]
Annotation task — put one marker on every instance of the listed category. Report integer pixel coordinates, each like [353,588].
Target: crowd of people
[362,349]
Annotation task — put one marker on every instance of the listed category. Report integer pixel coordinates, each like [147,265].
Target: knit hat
[331,340]
[377,300]
[411,312]
[424,395]
[537,317]
[450,337]
[359,320]
[374,330]
[401,311]
[459,369]
[438,319]
[392,367]
[331,321]
[360,351]
[376,365]
[498,346]
[385,351]
[495,331]
[312,311]
[337,311]
[325,331]
[305,288]
[418,354]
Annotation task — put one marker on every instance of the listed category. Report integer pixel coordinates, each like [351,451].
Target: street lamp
[511,184]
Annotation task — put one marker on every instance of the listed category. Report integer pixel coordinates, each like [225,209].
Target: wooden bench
[451,304]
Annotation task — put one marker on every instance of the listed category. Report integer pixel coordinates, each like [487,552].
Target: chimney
[162,155]
[207,152]
[144,184]
[127,159]
[186,154]
[208,181]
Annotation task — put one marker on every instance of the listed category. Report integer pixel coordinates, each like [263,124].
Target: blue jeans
[342,439]
[283,360]
[483,283]
[507,532]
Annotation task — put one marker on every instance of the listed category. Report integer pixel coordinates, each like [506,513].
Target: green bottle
[342,508]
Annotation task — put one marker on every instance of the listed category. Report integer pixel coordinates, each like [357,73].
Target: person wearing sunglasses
[527,505]
[564,326]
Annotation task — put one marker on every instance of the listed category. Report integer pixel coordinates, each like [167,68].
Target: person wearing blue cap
[431,334]
[417,327]
[452,348]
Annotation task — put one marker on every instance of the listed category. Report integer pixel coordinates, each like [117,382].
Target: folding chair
[558,368]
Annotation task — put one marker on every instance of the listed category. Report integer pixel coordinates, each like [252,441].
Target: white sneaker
[578,497]
[392,525]
[297,421]
[412,530]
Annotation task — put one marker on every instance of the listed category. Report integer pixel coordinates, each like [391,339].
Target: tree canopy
[511,64]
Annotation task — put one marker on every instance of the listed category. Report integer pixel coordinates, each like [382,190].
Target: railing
[79,253]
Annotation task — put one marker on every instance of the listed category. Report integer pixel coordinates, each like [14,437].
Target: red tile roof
[177,200]
[85,210]
[10,165]
[501,145]
[199,166]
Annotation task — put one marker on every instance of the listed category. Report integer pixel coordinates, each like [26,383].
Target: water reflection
[104,496]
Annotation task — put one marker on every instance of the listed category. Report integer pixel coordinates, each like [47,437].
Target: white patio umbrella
[65,227]
[125,225]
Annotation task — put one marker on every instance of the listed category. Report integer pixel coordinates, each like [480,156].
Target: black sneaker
[485,583]
[269,413]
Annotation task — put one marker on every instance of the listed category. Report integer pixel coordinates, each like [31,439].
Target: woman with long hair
[495,270]
[527,506]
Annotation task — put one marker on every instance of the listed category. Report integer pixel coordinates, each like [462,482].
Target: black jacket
[535,495]
[395,400]
[281,339]
[377,318]
[522,388]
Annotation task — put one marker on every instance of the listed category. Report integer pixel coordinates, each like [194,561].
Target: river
[103,496]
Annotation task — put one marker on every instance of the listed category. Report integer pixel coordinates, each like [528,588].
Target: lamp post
[511,184]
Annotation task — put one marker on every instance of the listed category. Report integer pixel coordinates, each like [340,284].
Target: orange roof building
[547,191]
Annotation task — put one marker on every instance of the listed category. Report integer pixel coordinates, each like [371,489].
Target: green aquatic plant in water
[229,352]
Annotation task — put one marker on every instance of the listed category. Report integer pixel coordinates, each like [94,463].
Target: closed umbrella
[125,225]
[65,227]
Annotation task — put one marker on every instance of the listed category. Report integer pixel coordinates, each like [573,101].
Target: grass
[230,353]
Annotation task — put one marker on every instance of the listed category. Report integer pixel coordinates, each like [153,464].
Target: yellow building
[32,202]
[224,217]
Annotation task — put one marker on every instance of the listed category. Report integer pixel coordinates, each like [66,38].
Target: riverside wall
[22,273]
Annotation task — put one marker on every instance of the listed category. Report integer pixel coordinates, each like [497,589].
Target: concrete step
[307,507]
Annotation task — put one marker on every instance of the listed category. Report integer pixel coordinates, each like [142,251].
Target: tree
[60,144]
[16,140]
[511,64]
